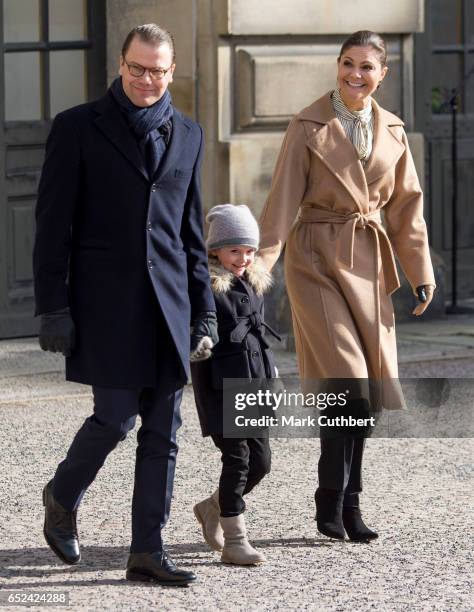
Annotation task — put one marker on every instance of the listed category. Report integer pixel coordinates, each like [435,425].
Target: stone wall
[318,16]
[244,67]
[177,16]
[275,58]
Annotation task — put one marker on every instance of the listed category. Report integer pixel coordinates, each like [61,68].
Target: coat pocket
[235,366]
[183,172]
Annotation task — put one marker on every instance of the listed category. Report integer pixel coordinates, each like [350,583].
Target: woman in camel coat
[346,175]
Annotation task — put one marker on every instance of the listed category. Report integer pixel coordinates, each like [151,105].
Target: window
[45,57]
[452,24]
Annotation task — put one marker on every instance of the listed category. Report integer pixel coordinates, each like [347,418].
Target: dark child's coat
[242,351]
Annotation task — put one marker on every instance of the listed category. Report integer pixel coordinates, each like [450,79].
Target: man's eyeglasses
[156,73]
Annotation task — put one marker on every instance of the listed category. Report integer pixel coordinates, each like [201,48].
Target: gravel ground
[418,495]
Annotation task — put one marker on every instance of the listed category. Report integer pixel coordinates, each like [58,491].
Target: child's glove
[202,351]
[203,336]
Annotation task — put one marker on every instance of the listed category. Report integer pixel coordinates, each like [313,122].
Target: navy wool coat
[242,351]
[123,251]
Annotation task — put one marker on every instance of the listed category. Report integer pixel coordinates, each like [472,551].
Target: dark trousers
[244,463]
[115,412]
[342,451]
[340,464]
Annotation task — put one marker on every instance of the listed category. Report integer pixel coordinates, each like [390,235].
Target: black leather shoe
[60,530]
[157,567]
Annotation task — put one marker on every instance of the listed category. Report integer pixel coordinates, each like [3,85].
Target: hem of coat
[108,383]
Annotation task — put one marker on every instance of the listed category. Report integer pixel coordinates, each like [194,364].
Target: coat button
[150,264]
[255,353]
[154,187]
[148,226]
[245,300]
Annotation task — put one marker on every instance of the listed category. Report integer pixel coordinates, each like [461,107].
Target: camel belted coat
[351,221]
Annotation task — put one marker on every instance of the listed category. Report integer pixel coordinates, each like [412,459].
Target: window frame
[95,55]
[465,51]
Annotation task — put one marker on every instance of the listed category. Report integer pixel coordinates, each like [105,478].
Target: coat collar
[330,143]
[257,276]
[113,125]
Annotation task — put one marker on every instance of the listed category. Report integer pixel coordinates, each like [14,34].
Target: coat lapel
[386,148]
[335,150]
[330,143]
[111,123]
[178,138]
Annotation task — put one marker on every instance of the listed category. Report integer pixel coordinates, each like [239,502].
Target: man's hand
[203,336]
[424,294]
[57,333]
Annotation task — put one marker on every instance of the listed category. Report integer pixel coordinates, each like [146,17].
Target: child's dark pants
[244,463]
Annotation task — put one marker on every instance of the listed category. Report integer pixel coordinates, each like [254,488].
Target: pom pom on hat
[230,225]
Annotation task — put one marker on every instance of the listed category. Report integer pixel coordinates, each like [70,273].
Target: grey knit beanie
[231,224]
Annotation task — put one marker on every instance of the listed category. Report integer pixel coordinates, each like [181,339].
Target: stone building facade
[244,67]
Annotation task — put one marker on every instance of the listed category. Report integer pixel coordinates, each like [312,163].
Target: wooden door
[444,62]
[53,58]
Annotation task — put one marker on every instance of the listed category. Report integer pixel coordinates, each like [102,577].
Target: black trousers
[342,449]
[340,464]
[115,412]
[244,463]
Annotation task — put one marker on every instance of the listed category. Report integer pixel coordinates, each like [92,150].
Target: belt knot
[362,220]
[255,320]
[345,243]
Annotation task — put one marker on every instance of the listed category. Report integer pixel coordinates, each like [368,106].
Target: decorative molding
[261,86]
[254,17]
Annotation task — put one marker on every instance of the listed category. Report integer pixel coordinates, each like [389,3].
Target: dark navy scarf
[151,125]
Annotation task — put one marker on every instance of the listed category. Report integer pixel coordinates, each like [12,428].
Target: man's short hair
[149,33]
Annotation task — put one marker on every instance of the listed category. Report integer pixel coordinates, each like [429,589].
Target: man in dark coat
[120,275]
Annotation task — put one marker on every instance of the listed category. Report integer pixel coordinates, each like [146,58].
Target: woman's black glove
[424,294]
[57,332]
[203,336]
[421,292]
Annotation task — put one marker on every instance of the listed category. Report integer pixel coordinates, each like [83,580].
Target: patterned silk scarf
[358,125]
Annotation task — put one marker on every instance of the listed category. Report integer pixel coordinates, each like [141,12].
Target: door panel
[23,155]
[444,60]
[48,64]
[441,199]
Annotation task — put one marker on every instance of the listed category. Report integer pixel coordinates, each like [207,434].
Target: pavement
[418,494]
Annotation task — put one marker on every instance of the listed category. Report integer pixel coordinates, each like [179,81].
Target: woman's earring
[378,86]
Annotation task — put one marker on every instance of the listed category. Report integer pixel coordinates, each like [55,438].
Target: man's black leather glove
[203,336]
[57,332]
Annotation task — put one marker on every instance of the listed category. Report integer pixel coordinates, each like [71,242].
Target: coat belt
[251,322]
[345,244]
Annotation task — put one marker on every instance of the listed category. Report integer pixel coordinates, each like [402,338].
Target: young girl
[238,281]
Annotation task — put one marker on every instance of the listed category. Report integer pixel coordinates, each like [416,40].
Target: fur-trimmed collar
[256,275]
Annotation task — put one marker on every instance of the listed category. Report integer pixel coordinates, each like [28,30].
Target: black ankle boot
[355,527]
[329,513]
[60,530]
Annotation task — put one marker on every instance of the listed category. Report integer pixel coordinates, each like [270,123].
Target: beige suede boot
[237,549]
[207,513]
